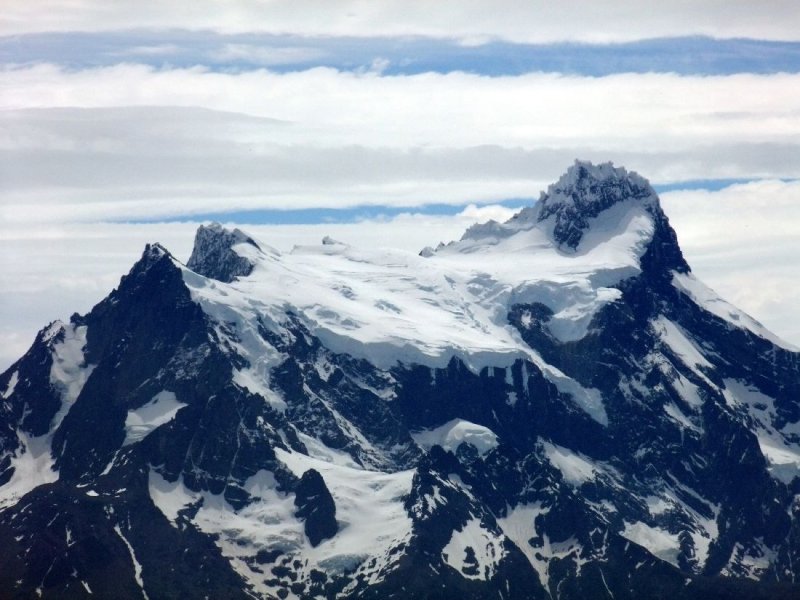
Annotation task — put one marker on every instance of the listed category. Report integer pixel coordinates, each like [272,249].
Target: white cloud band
[474,22]
[133,142]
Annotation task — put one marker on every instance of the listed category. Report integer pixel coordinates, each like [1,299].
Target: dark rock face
[213,255]
[129,342]
[316,507]
[34,401]
[164,469]
[663,255]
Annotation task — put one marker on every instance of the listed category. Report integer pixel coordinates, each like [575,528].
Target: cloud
[455,109]
[152,50]
[743,242]
[492,212]
[132,142]
[762,210]
[473,22]
[265,55]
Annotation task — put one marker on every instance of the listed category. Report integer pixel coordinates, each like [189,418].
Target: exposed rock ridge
[213,255]
[584,192]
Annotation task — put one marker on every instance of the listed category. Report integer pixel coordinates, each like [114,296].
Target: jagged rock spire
[585,191]
[213,255]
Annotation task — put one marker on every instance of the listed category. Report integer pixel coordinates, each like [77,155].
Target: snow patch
[239,325]
[519,526]
[255,382]
[688,391]
[32,461]
[268,523]
[363,499]
[659,542]
[777,444]
[169,497]
[318,450]
[702,528]
[675,414]
[575,468]
[656,505]
[676,339]
[590,400]
[33,466]
[144,420]
[456,432]
[474,551]
[705,533]
[12,383]
[69,371]
[784,461]
[137,568]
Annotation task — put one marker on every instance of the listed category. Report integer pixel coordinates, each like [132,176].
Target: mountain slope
[552,407]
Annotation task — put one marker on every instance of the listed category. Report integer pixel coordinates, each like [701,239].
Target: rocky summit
[551,407]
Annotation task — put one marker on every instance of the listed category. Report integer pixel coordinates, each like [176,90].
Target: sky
[386,123]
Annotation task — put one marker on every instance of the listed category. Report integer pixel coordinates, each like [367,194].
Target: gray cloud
[143,162]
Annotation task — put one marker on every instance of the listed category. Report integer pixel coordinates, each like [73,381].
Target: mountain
[551,407]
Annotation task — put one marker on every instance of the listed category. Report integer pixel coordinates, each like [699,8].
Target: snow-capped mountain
[551,407]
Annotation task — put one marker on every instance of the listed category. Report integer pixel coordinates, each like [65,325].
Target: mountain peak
[153,252]
[584,172]
[214,256]
[589,206]
[584,192]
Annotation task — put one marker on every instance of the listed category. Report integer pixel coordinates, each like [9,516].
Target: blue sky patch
[314,216]
[399,56]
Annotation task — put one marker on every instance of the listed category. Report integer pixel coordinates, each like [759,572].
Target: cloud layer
[472,22]
[133,142]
